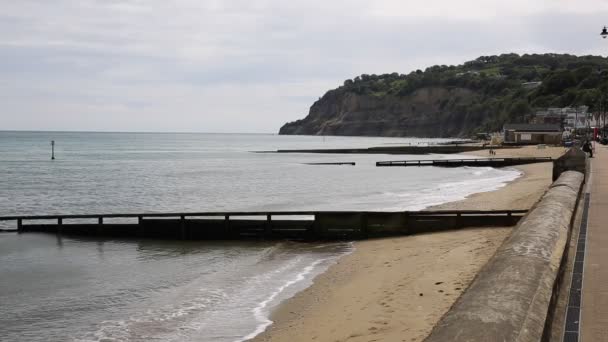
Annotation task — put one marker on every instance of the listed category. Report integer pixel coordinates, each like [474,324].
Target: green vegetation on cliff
[480,95]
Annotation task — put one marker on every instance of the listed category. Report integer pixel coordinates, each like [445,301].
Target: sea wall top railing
[493,162]
[267,224]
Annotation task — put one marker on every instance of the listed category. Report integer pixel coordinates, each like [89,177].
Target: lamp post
[575,120]
[599,117]
[603,117]
[603,34]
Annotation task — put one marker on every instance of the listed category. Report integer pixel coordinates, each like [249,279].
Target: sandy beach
[396,289]
[519,194]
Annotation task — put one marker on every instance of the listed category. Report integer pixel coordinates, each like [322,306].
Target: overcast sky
[247,65]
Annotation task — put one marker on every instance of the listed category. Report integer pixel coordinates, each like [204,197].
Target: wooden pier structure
[492,162]
[402,149]
[296,225]
[333,163]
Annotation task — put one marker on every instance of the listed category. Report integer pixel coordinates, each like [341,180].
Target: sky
[247,65]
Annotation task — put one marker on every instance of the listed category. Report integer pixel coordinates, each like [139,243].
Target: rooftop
[532,127]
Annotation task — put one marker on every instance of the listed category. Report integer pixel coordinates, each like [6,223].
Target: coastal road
[594,308]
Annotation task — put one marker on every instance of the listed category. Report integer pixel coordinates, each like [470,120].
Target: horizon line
[146,132]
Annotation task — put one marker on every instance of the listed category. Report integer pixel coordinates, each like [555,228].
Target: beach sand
[523,192]
[397,289]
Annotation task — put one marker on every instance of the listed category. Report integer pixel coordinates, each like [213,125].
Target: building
[568,117]
[531,85]
[578,117]
[530,134]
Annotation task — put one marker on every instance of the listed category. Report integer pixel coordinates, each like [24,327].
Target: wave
[485,180]
[235,306]
[260,312]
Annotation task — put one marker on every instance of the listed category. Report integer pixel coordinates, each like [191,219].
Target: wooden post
[227,227]
[363,228]
[405,223]
[140,225]
[52,149]
[99,224]
[182,226]
[59,224]
[268,228]
[315,232]
[19,225]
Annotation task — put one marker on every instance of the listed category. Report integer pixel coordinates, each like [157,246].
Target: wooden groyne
[492,162]
[333,163]
[435,149]
[317,225]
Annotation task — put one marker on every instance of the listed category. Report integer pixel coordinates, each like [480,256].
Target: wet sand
[397,289]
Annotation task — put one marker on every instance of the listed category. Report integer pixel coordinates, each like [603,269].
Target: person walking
[588,148]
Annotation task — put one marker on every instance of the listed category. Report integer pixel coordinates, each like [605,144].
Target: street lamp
[604,33]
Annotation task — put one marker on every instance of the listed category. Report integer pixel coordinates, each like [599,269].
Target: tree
[558,82]
[519,110]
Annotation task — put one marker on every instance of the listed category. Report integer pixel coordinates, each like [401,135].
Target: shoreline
[362,298]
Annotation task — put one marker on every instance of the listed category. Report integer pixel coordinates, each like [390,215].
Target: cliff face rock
[422,113]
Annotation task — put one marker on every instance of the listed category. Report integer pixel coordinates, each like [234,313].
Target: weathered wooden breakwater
[435,149]
[491,162]
[303,225]
[333,163]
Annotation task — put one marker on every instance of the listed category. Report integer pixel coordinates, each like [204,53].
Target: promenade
[594,308]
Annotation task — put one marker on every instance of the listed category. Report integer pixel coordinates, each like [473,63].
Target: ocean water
[122,172]
[64,289]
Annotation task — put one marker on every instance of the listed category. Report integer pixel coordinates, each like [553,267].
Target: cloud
[202,65]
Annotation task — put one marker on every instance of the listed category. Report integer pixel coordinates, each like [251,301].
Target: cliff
[418,114]
[455,101]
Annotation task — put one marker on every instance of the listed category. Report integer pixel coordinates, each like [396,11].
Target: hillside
[456,101]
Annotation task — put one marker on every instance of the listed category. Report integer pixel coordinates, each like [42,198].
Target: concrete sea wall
[573,160]
[511,298]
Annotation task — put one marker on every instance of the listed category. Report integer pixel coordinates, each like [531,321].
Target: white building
[531,85]
[571,117]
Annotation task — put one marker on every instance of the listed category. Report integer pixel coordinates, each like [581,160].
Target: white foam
[483,180]
[259,312]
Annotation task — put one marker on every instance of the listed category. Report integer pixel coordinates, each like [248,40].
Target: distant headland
[456,101]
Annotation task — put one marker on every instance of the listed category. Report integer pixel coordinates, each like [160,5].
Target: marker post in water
[52,149]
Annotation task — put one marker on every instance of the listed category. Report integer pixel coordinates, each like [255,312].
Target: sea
[59,288]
